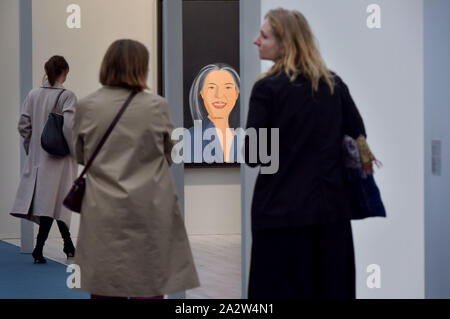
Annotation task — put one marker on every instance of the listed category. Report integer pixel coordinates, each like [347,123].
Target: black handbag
[74,198]
[52,137]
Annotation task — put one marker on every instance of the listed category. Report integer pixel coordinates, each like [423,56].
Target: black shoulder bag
[52,138]
[75,196]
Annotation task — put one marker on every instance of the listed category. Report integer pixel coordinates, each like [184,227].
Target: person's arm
[353,122]
[167,127]
[258,117]
[354,127]
[78,135]
[24,126]
[68,110]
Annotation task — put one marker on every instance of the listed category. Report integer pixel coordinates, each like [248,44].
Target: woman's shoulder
[340,85]
[35,92]
[155,101]
[278,82]
[273,79]
[43,91]
[149,95]
[337,80]
[68,95]
[88,99]
[264,84]
[106,94]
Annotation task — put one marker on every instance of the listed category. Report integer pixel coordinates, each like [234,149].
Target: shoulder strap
[57,100]
[108,132]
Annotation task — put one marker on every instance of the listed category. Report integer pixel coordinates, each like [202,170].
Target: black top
[308,187]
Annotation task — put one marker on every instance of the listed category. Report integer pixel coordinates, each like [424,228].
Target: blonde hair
[125,64]
[300,53]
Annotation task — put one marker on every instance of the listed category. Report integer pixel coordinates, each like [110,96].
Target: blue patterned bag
[365,197]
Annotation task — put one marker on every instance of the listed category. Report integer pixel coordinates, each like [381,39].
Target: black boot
[44,228]
[69,248]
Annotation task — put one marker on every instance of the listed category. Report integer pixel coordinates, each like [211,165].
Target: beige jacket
[45,177]
[132,240]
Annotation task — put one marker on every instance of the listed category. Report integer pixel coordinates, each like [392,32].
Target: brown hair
[54,67]
[300,52]
[125,64]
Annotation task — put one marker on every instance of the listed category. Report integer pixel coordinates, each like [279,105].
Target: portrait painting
[211,82]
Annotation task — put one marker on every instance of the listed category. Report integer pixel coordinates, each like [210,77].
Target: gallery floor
[217,258]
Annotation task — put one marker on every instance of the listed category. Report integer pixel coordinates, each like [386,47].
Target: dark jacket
[308,187]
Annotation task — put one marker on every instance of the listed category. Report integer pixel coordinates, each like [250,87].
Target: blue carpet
[21,279]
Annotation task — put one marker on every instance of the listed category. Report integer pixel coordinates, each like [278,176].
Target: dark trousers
[44,228]
[311,262]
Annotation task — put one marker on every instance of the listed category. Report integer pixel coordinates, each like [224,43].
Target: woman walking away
[132,240]
[46,178]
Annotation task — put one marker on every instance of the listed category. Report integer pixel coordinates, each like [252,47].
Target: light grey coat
[132,241]
[45,179]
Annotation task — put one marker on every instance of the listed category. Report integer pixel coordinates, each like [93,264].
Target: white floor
[217,258]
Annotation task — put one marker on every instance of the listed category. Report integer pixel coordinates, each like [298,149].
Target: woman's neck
[220,123]
[226,136]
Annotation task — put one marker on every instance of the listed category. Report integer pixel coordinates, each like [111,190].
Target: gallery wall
[212,199]
[9,116]
[55,31]
[437,130]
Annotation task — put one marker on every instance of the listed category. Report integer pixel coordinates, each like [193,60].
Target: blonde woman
[302,237]
[132,240]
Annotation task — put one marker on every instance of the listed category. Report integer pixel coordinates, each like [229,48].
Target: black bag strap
[108,132]
[59,95]
[57,100]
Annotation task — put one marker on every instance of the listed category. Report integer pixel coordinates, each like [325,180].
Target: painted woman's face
[219,94]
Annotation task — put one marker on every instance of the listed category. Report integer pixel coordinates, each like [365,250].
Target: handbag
[74,198]
[364,195]
[52,137]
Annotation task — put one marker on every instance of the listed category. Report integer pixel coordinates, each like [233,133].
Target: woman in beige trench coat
[132,240]
[46,179]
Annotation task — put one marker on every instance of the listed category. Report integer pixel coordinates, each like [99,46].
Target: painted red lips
[219,105]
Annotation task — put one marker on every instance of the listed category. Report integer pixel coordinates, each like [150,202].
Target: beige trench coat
[132,240]
[44,176]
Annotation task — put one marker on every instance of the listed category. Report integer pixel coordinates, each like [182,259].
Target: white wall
[212,201]
[102,22]
[250,22]
[9,116]
[437,115]
[384,71]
